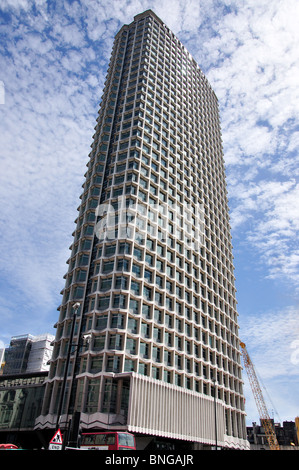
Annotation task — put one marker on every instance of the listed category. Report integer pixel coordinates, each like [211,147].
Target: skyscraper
[156,334]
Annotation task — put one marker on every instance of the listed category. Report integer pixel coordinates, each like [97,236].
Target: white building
[28,353]
[40,353]
[151,262]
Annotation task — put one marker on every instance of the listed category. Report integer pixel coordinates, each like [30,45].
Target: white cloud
[269,337]
[46,128]
[251,52]
[255,72]
[253,65]
[272,339]
[273,212]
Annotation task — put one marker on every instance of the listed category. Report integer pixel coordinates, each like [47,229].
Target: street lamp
[215,412]
[76,307]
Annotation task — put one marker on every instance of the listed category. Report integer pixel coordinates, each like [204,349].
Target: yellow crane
[259,399]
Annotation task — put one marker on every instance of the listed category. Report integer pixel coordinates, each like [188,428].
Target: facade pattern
[151,262]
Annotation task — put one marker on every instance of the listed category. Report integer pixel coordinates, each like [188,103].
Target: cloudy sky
[53,63]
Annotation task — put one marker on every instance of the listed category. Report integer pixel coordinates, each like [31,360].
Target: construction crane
[259,399]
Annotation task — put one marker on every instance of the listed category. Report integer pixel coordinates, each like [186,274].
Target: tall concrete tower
[156,335]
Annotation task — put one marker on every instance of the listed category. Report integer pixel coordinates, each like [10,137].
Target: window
[143,350]
[117,321]
[157,335]
[115,342]
[178,380]
[110,250]
[149,259]
[81,275]
[131,346]
[123,265]
[101,322]
[121,282]
[134,306]
[78,292]
[125,248]
[158,298]
[146,311]
[108,266]
[135,287]
[178,343]
[148,275]
[106,284]
[113,364]
[169,286]
[138,254]
[150,244]
[136,269]
[155,372]
[157,315]
[99,343]
[129,365]
[159,281]
[119,301]
[145,330]
[168,338]
[92,397]
[167,358]
[132,325]
[104,302]
[96,365]
[83,260]
[160,265]
[142,368]
[169,303]
[147,293]
[156,354]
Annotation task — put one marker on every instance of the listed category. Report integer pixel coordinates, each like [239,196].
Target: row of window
[159,340]
[156,359]
[214,229]
[170,296]
[178,263]
[108,363]
[167,263]
[153,177]
[194,323]
[170,120]
[191,324]
[156,81]
[160,175]
[176,370]
[178,239]
[169,48]
[181,290]
[192,121]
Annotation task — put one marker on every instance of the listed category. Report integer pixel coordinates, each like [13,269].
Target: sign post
[56,441]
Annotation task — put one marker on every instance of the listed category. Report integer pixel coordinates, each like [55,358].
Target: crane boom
[259,399]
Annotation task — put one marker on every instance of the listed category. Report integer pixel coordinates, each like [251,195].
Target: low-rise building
[286,435]
[21,397]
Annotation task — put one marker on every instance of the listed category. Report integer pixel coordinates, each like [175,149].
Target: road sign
[56,441]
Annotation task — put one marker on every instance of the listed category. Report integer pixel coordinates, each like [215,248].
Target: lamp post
[76,307]
[215,412]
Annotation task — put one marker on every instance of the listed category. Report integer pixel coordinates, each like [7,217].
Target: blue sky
[53,63]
